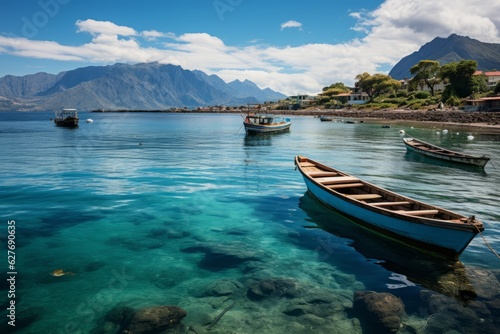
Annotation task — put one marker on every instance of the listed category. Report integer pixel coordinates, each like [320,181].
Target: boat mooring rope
[484,239]
[492,165]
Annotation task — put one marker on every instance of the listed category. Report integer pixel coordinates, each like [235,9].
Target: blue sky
[289,46]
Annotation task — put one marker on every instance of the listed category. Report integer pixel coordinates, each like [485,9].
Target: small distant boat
[326,118]
[260,123]
[433,151]
[404,219]
[67,117]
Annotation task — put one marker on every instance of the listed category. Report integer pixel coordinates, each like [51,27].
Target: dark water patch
[24,317]
[56,221]
[163,233]
[219,257]
[94,266]
[220,261]
[134,243]
[238,231]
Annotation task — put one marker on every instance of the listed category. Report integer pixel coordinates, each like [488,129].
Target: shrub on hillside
[401,101]
[417,104]
[422,94]
[453,101]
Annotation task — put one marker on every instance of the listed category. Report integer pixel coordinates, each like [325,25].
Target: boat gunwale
[454,224]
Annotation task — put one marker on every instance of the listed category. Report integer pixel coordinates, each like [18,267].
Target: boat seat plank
[306,164]
[345,185]
[309,170]
[336,179]
[322,174]
[419,212]
[389,203]
[364,196]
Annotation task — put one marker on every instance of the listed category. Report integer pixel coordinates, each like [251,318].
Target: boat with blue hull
[424,225]
[266,124]
[436,152]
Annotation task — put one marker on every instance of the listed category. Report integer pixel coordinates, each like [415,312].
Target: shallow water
[184,209]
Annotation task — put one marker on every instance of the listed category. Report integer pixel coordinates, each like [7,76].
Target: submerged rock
[448,314]
[154,320]
[274,287]
[321,304]
[223,287]
[119,315]
[383,310]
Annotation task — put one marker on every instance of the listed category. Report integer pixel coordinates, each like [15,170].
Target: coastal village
[356,103]
[356,97]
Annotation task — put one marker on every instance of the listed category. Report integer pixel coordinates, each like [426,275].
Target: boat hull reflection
[434,272]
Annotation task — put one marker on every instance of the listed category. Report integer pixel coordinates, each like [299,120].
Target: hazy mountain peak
[450,49]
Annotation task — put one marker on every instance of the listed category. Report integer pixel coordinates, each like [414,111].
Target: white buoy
[470,137]
[445,132]
[90,120]
[401,132]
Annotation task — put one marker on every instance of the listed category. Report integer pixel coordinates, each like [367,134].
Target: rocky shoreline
[481,121]
[443,116]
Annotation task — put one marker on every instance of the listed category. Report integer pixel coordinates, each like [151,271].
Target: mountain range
[147,86]
[451,49]
[154,86]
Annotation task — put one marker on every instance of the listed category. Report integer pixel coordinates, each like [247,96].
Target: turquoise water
[184,209]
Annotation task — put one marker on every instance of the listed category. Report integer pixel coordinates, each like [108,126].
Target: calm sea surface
[148,209]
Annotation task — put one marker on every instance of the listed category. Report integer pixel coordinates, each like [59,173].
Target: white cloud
[151,35]
[291,24]
[395,29]
[104,28]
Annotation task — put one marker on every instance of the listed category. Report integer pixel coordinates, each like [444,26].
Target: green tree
[340,86]
[459,75]
[497,88]
[479,84]
[426,71]
[335,89]
[377,84]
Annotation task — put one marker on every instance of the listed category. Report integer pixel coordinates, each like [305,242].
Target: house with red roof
[492,77]
[483,104]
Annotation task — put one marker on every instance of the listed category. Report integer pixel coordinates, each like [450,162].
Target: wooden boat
[433,151]
[324,118]
[67,117]
[410,221]
[266,124]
